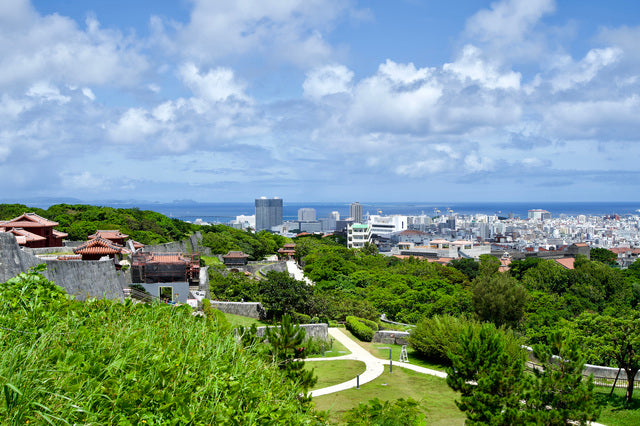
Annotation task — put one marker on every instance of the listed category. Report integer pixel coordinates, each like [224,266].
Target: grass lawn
[333,372]
[338,350]
[211,260]
[436,399]
[238,320]
[381,350]
[614,412]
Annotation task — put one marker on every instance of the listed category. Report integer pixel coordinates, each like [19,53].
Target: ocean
[225,212]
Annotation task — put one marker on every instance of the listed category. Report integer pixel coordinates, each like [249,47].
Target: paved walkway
[375,366]
[297,273]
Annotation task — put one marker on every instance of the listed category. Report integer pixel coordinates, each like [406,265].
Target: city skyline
[518,100]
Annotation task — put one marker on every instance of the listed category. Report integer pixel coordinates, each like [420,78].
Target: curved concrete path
[374,365]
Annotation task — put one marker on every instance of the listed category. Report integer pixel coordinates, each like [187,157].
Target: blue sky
[320,100]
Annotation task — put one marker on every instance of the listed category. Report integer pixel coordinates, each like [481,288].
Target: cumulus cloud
[471,66]
[575,73]
[508,21]
[290,30]
[217,85]
[52,48]
[327,80]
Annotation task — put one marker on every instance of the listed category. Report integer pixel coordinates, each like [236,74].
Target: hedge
[359,329]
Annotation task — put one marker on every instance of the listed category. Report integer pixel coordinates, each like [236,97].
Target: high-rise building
[306,214]
[356,212]
[268,213]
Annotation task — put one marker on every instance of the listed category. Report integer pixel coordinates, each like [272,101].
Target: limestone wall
[82,279]
[188,245]
[315,331]
[391,337]
[245,309]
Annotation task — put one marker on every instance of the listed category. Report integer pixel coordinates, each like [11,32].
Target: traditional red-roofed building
[235,258]
[98,247]
[115,236]
[34,224]
[165,267]
[287,252]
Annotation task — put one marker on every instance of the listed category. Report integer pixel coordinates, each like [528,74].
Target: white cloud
[52,48]
[327,80]
[572,74]
[134,126]
[217,85]
[46,92]
[508,21]
[88,93]
[290,30]
[470,65]
[399,97]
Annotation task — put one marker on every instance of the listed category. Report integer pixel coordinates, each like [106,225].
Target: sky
[320,100]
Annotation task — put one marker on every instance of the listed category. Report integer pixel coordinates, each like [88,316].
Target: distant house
[235,259]
[98,247]
[36,230]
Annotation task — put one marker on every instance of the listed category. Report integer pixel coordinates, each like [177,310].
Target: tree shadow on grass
[616,402]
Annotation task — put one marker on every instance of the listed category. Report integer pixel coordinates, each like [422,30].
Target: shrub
[438,337]
[360,329]
[301,318]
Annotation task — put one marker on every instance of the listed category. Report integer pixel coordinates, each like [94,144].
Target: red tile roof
[567,262]
[109,234]
[235,254]
[99,246]
[29,220]
[59,234]
[28,236]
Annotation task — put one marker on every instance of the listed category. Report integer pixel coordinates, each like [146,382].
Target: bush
[301,318]
[360,329]
[438,337]
[435,337]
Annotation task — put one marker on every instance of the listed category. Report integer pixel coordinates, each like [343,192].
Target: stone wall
[315,331]
[598,371]
[390,337]
[188,245]
[47,250]
[82,279]
[245,309]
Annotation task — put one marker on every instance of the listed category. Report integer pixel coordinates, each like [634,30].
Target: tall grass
[104,362]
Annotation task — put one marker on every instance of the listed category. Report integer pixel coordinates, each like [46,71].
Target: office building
[356,212]
[268,213]
[306,215]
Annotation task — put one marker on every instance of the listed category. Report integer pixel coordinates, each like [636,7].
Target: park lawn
[381,350]
[331,373]
[332,350]
[239,320]
[435,398]
[614,412]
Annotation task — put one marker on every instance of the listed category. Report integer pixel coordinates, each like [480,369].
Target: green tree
[560,394]
[614,340]
[489,265]
[287,350]
[499,299]
[281,294]
[603,255]
[490,380]
[469,267]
